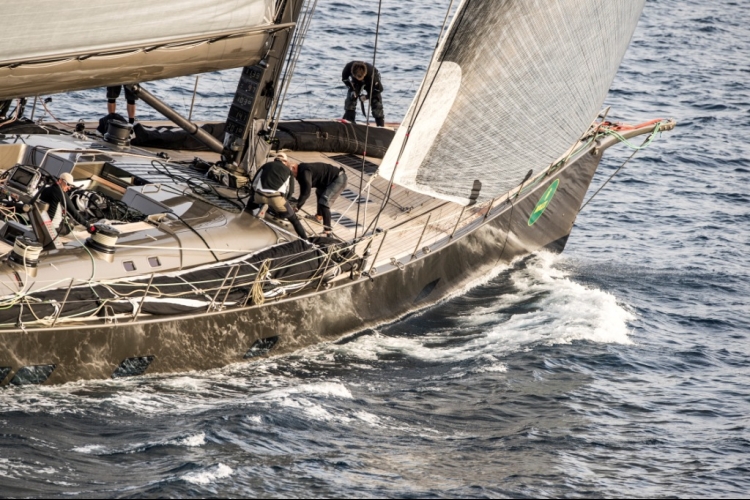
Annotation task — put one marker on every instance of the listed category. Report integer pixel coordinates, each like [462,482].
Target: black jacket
[273,175]
[54,196]
[314,175]
[367,81]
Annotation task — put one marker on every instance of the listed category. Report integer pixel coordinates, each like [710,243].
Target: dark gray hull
[205,341]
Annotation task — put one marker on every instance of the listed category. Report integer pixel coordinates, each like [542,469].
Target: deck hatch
[33,375]
[345,221]
[352,196]
[355,162]
[169,174]
[132,367]
[261,347]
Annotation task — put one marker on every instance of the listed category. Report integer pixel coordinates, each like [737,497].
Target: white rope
[103,239]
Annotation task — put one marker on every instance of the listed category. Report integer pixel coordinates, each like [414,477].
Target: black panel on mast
[259,81]
[238,120]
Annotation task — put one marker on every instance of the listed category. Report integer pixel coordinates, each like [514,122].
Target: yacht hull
[211,340]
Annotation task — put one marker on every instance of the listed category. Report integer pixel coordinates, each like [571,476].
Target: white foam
[327,389]
[563,311]
[220,471]
[496,368]
[91,449]
[191,441]
[298,398]
[367,417]
[256,419]
[185,383]
[19,469]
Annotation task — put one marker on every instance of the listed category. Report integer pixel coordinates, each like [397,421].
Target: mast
[256,89]
[255,92]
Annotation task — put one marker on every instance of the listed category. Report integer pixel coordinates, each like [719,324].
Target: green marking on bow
[543,202]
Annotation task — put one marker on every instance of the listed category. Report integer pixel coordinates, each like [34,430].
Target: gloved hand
[352,95]
[363,98]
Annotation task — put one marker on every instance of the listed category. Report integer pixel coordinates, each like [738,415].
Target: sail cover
[49,46]
[514,84]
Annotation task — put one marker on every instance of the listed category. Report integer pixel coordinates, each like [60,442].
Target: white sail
[49,46]
[514,84]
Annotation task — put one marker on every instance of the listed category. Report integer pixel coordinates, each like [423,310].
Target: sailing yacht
[492,162]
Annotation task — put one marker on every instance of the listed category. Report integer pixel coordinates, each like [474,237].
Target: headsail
[47,46]
[515,83]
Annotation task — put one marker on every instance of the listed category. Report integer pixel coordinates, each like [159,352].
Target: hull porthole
[426,291]
[132,367]
[33,375]
[261,347]
[4,371]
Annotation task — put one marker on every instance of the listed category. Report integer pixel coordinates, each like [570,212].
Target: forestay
[514,84]
[49,46]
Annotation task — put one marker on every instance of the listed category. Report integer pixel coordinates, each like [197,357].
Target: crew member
[60,205]
[113,93]
[328,182]
[360,76]
[272,186]
[4,107]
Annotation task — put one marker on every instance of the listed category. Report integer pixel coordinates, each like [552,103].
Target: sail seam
[13,63]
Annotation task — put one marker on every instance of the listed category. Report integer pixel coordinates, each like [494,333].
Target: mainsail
[48,46]
[513,85]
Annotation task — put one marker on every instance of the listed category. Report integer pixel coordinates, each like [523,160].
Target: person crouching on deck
[272,186]
[328,182]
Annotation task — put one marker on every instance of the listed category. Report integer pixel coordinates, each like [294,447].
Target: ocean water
[619,368]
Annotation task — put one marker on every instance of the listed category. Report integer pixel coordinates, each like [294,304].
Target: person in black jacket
[272,185]
[59,204]
[328,182]
[360,76]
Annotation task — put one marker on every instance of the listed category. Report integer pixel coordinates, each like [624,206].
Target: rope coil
[105,240]
[256,292]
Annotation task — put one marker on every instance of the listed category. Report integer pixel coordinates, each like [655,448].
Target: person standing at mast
[113,93]
[360,76]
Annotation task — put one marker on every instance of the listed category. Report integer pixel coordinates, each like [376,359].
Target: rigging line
[635,150]
[414,116]
[298,42]
[369,109]
[369,182]
[187,224]
[15,115]
[367,202]
[510,218]
[44,105]
[279,97]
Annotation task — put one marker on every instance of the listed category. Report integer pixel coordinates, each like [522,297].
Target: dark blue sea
[620,368]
